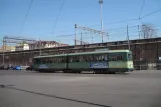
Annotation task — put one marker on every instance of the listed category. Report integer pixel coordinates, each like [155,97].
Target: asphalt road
[29,89]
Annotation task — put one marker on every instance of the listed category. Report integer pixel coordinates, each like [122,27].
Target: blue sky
[43,14]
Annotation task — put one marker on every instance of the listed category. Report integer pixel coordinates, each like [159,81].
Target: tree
[148,31]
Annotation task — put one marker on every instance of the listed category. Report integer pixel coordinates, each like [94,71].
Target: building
[146,52]
[45,44]
[61,44]
[22,47]
[7,48]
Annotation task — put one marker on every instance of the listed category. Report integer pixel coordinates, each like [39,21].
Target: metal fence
[144,65]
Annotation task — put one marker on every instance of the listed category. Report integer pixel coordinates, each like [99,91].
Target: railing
[152,66]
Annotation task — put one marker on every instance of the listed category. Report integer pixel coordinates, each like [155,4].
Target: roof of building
[44,42]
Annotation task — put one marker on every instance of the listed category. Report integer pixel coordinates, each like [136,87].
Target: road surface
[29,89]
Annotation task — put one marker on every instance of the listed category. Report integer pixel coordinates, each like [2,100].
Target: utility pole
[128,37]
[3,50]
[75,42]
[81,39]
[90,30]
[101,2]
[39,46]
[139,31]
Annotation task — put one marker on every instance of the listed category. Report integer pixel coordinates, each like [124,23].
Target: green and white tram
[110,61]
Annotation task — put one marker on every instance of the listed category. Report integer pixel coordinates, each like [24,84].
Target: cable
[131,19]
[150,13]
[118,22]
[142,8]
[21,31]
[121,28]
[67,30]
[131,28]
[106,24]
[58,16]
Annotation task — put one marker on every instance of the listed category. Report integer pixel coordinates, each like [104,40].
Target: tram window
[63,59]
[56,59]
[81,58]
[130,57]
[119,57]
[101,57]
[43,61]
[105,57]
[76,58]
[40,61]
[70,59]
[73,58]
[49,60]
[84,58]
[35,61]
[112,57]
[90,58]
[59,59]
[46,60]
[116,57]
[95,58]
[53,59]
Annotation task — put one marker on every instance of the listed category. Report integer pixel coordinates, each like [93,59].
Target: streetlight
[101,2]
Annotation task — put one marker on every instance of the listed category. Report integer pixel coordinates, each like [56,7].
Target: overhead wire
[151,13]
[57,18]
[131,28]
[21,31]
[117,22]
[130,19]
[125,20]
[26,16]
[142,8]
[121,28]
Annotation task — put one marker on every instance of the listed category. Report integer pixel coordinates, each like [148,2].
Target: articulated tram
[110,61]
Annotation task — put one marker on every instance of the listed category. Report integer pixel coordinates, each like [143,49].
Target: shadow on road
[51,96]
